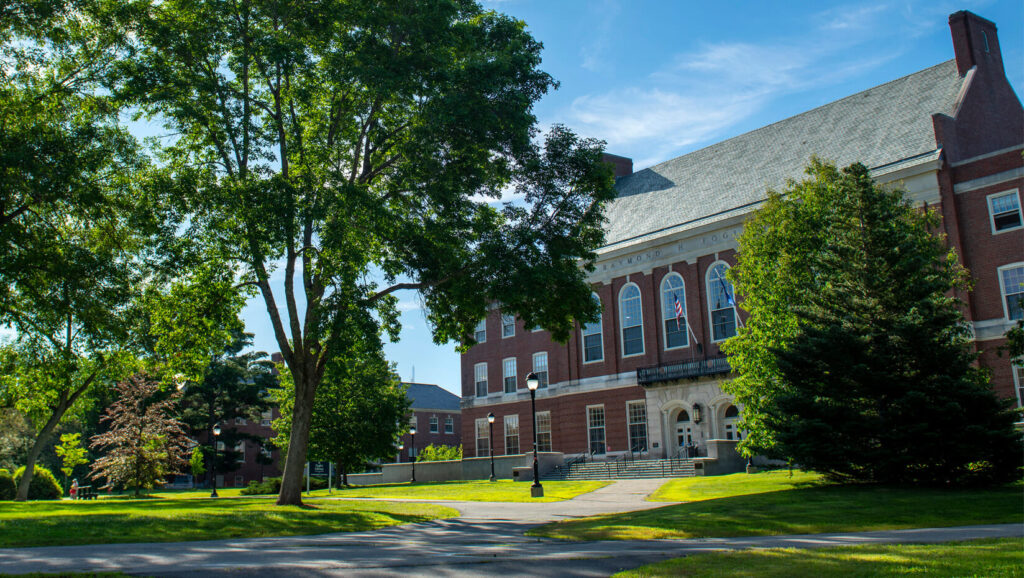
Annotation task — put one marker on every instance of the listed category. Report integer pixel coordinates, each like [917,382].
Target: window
[449,425]
[265,418]
[543,431]
[433,424]
[540,367]
[509,372]
[239,481]
[483,438]
[266,452]
[631,320]
[1012,285]
[480,374]
[673,311]
[220,446]
[721,303]
[240,449]
[241,421]
[732,418]
[1018,378]
[595,429]
[508,326]
[593,340]
[480,333]
[511,435]
[636,412]
[1004,210]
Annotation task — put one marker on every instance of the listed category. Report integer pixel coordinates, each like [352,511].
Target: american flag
[679,308]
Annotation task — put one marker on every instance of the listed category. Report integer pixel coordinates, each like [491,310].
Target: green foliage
[197,462]
[8,489]
[856,361]
[71,452]
[348,144]
[359,412]
[440,453]
[273,486]
[43,485]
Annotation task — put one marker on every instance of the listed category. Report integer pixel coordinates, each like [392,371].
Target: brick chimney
[623,166]
[975,43]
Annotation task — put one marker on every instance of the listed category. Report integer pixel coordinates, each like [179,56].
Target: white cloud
[594,53]
[698,96]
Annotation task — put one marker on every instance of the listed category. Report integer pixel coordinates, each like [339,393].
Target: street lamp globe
[412,430]
[490,418]
[532,381]
[216,430]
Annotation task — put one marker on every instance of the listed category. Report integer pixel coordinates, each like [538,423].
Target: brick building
[436,416]
[951,135]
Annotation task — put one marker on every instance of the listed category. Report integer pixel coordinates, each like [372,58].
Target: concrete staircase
[623,469]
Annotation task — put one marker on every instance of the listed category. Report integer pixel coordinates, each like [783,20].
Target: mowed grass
[118,521]
[1002,557]
[467,491]
[771,503]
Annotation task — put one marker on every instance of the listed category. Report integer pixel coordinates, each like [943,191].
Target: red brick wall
[424,437]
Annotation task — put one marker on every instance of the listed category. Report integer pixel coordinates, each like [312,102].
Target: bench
[86,493]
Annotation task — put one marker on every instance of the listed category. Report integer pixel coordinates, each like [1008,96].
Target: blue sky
[657,79]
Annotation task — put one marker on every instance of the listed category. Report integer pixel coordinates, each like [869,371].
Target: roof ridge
[801,114]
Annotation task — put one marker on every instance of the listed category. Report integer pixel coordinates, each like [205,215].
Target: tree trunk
[344,476]
[37,448]
[302,413]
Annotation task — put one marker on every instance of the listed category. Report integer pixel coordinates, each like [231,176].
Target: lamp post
[490,437]
[412,452]
[213,465]
[400,448]
[532,383]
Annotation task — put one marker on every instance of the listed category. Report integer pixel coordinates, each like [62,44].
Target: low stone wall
[722,458]
[469,468]
[365,479]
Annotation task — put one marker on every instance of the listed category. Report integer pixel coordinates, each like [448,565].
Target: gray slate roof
[430,396]
[878,127]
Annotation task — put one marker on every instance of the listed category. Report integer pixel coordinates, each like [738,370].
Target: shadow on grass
[805,510]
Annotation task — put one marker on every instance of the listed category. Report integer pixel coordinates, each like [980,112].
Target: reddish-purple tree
[145,442]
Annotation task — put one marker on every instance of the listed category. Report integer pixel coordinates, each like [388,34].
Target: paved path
[486,539]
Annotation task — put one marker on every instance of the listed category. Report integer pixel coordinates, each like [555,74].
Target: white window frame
[449,424]
[1002,287]
[992,216]
[434,425]
[622,319]
[667,306]
[711,317]
[477,380]
[480,332]
[630,423]
[481,425]
[505,324]
[505,375]
[547,372]
[514,421]
[541,430]
[604,427]
[599,333]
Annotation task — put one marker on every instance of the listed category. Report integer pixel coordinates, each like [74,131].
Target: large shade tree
[856,360]
[335,152]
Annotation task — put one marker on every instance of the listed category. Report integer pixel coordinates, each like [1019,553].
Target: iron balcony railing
[683,370]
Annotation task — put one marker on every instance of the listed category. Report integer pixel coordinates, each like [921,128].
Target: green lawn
[156,520]
[770,503]
[468,491]
[994,558]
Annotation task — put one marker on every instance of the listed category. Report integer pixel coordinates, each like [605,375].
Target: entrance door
[684,432]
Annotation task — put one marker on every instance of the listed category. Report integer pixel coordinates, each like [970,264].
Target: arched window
[631,320]
[593,340]
[673,311]
[684,432]
[731,421]
[721,303]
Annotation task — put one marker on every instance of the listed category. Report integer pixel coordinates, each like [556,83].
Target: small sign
[320,469]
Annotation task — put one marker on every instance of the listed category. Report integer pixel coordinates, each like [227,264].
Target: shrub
[8,489]
[273,486]
[43,485]
[439,453]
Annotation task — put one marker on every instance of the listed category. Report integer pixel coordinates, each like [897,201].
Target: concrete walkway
[486,539]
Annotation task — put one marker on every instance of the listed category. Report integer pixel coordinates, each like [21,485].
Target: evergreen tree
[856,361]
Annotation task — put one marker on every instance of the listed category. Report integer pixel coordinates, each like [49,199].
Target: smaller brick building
[436,415]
